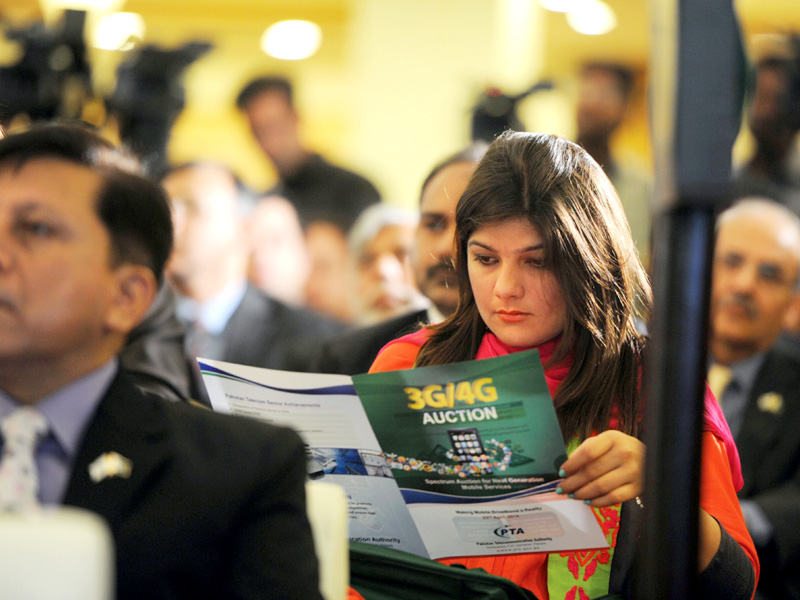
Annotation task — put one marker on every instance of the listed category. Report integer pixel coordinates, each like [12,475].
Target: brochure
[453,460]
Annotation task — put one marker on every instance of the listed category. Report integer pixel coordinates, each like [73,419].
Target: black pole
[696,90]
[674,404]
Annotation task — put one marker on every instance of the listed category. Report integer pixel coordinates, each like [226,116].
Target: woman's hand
[605,469]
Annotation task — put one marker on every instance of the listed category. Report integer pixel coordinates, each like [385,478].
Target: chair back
[326,505]
[63,553]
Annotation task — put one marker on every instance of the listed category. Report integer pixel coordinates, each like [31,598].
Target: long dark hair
[561,190]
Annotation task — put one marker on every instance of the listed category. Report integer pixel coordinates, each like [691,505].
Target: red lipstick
[512,316]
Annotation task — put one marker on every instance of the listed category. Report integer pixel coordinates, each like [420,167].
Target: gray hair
[373,219]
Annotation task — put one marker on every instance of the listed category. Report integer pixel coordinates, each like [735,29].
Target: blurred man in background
[319,190]
[279,260]
[603,94]
[329,286]
[773,171]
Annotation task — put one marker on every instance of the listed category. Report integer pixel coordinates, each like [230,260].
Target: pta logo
[508,532]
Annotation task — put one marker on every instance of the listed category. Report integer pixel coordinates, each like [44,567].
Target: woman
[545,259]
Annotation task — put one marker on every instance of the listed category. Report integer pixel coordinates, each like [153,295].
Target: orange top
[353,594]
[717,498]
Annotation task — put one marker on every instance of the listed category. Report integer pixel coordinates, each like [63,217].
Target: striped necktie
[719,376]
[19,482]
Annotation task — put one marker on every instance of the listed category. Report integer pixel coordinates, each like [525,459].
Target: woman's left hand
[607,469]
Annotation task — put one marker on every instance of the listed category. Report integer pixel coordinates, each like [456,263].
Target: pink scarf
[490,347]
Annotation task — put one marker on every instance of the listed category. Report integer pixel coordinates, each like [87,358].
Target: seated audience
[380,245]
[545,260]
[432,259]
[200,505]
[279,262]
[755,286]
[227,318]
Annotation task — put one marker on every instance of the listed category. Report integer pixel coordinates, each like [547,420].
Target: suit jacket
[214,506]
[769,448]
[264,332]
[154,351]
[353,352]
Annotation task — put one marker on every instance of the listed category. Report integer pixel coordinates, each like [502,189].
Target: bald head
[756,268]
[769,215]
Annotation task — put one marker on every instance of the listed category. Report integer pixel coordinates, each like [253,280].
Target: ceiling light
[58,5]
[558,5]
[591,17]
[119,31]
[292,40]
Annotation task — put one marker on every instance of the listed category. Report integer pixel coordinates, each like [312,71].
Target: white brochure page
[341,447]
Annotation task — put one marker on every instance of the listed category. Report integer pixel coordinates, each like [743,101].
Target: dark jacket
[769,448]
[352,352]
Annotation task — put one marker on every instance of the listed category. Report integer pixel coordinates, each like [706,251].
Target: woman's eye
[485,259]
[534,262]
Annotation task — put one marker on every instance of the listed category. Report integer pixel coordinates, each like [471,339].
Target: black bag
[379,573]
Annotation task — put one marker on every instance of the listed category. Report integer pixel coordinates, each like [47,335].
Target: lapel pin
[110,464]
[771,402]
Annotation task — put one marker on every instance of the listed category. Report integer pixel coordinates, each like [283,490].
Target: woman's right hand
[605,469]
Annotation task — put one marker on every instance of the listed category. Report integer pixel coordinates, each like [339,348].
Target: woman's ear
[134,291]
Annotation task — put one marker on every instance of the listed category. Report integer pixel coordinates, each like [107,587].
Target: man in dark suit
[227,318]
[432,258]
[200,505]
[755,289]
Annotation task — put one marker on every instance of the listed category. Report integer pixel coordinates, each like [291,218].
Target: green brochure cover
[482,428]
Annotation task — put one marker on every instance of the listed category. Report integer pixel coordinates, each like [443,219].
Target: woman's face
[520,301]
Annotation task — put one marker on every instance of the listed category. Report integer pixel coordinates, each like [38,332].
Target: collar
[69,409]
[213,314]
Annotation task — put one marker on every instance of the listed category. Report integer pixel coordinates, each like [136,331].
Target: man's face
[203,200]
[767,115]
[433,240]
[329,282]
[601,104]
[755,270]
[57,285]
[385,278]
[279,262]
[274,124]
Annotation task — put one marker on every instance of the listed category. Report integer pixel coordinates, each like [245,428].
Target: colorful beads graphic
[497,458]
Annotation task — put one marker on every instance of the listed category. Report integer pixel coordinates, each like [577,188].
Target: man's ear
[791,319]
[134,291]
